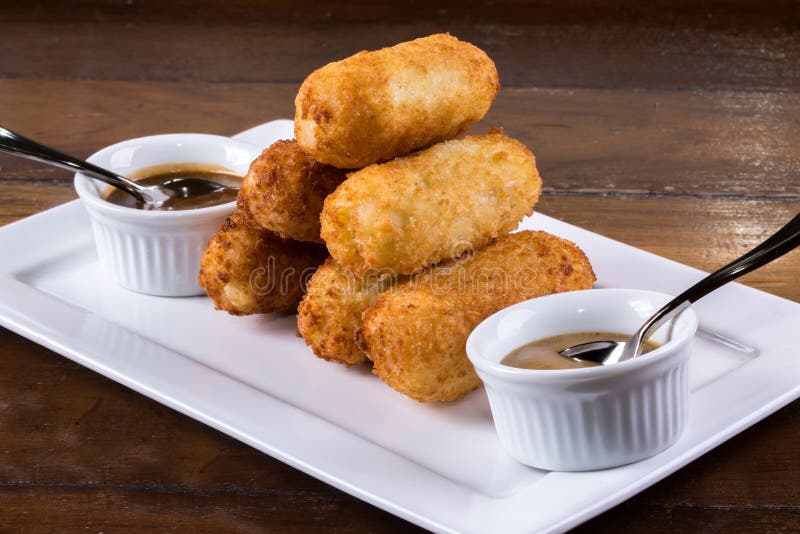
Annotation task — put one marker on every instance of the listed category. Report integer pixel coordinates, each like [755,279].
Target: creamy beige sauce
[158,174]
[543,353]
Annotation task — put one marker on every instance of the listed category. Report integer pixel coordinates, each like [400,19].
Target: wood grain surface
[671,126]
[589,141]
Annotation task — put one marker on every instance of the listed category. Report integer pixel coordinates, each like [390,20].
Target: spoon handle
[19,145]
[778,244]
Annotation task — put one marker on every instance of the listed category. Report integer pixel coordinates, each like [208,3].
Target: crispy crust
[284,191]
[374,106]
[330,312]
[246,269]
[415,332]
[433,205]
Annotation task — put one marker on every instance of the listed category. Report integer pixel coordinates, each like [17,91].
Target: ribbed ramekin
[158,252]
[591,418]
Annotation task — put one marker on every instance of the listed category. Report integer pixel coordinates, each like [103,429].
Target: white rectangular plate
[437,465]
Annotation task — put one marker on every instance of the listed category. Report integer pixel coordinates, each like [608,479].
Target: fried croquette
[416,331]
[246,269]
[284,190]
[330,312]
[374,106]
[433,205]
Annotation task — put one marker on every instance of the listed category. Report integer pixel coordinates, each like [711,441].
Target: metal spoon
[147,197]
[609,352]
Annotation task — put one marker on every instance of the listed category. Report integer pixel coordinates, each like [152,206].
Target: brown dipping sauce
[543,353]
[158,174]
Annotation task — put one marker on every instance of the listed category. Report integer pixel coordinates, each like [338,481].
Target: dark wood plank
[610,44]
[101,509]
[23,200]
[688,518]
[698,143]
[761,16]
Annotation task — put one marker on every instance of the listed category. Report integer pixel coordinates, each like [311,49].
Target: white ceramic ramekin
[590,418]
[158,252]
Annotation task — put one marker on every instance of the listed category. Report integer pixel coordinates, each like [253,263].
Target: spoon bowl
[190,187]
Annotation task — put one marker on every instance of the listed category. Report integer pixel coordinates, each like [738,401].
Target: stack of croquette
[411,226]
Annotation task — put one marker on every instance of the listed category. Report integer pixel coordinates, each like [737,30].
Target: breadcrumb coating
[415,333]
[284,191]
[433,205]
[330,312]
[374,106]
[246,269]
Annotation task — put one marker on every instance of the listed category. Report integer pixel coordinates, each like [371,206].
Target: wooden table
[672,127]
